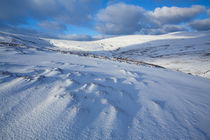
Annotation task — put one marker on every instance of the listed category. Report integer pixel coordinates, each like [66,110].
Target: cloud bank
[121,18]
[200,25]
[176,15]
[76,12]
[54,16]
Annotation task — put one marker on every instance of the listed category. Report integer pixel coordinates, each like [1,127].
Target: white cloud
[120,19]
[127,19]
[175,15]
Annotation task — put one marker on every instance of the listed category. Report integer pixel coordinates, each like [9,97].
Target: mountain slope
[186,52]
[47,94]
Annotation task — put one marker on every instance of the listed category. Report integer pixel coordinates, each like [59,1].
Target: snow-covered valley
[186,52]
[59,89]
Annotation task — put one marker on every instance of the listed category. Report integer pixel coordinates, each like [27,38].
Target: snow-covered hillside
[46,93]
[186,52]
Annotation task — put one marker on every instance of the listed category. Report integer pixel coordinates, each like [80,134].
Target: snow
[47,94]
[186,52]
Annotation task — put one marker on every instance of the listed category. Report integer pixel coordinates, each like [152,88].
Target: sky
[93,19]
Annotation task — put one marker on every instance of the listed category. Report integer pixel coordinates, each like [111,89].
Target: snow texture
[48,94]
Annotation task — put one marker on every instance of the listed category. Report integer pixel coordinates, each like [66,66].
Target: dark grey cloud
[77,37]
[82,37]
[15,12]
[163,30]
[122,18]
[25,31]
[208,12]
[76,12]
[173,28]
[52,26]
[200,25]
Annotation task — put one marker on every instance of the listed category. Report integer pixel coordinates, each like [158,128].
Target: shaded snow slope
[46,94]
[186,52]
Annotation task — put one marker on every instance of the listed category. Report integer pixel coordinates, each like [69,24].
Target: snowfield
[49,92]
[186,52]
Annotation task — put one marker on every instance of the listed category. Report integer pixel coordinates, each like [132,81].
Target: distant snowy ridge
[182,51]
[110,44]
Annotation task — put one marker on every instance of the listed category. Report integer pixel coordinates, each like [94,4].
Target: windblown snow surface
[51,94]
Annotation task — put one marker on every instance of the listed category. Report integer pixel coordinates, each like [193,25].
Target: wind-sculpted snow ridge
[50,94]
